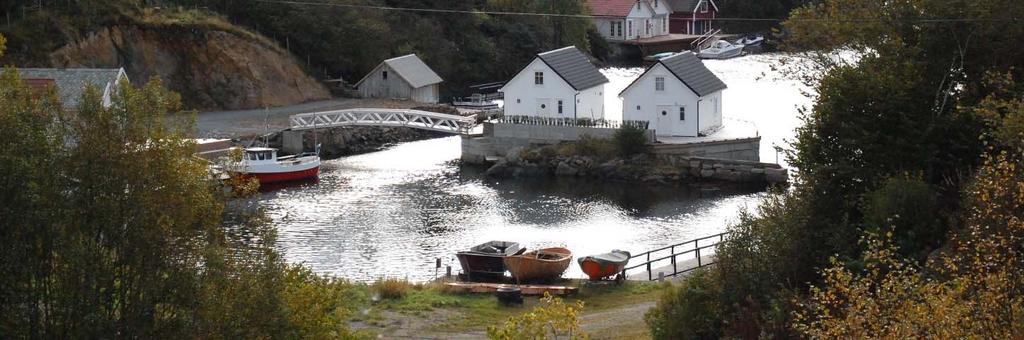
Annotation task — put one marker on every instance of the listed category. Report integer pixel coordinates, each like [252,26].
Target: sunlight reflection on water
[391,213]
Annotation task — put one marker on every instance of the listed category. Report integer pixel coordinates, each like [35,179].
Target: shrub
[691,310]
[553,319]
[631,140]
[908,208]
[601,149]
[391,288]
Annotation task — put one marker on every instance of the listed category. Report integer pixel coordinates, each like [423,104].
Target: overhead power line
[587,16]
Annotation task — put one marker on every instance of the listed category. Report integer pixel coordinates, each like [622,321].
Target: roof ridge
[558,50]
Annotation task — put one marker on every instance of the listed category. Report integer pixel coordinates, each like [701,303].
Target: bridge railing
[425,120]
[685,248]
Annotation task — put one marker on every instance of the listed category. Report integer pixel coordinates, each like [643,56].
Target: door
[665,121]
[543,106]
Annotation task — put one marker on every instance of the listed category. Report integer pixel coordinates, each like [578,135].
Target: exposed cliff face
[213,70]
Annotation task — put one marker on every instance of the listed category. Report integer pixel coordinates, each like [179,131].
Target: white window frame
[682,113]
[703,6]
[560,107]
[659,84]
[538,78]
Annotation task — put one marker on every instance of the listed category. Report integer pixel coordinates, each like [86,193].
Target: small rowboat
[544,264]
[600,266]
[485,261]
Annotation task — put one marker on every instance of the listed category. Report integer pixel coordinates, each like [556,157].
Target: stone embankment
[521,162]
[339,142]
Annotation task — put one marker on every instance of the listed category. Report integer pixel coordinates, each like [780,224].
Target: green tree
[110,228]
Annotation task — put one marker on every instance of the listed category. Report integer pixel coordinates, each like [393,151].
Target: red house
[692,16]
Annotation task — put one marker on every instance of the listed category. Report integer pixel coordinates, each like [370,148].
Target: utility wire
[588,16]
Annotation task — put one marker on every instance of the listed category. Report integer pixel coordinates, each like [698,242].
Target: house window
[630,30]
[664,113]
[664,24]
[703,6]
[638,107]
[519,101]
[385,74]
[538,78]
[659,83]
[620,28]
[647,27]
[611,33]
[682,113]
[655,4]
[559,107]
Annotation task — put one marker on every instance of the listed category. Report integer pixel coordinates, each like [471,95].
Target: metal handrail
[673,255]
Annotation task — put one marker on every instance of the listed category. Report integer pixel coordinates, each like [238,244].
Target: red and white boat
[264,164]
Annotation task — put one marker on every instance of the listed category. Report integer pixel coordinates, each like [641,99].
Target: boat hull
[485,262]
[605,265]
[540,265]
[291,176]
[726,54]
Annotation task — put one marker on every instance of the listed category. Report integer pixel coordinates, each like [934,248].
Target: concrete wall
[746,149]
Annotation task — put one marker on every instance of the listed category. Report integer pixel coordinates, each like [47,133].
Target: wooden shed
[405,77]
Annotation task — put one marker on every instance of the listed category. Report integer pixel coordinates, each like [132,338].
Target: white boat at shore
[721,49]
[265,165]
[750,41]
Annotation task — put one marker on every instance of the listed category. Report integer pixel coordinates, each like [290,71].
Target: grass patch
[391,288]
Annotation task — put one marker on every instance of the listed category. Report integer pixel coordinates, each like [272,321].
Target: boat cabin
[260,154]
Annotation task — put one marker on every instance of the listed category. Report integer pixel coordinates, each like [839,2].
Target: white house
[405,77]
[679,96]
[631,19]
[557,84]
[71,82]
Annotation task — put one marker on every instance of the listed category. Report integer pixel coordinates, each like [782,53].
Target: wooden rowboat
[544,264]
[604,265]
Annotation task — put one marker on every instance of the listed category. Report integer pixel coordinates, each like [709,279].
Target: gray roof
[573,66]
[71,82]
[413,70]
[691,71]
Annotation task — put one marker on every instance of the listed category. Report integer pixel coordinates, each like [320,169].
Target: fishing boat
[264,164]
[605,265]
[543,264]
[486,261]
[721,49]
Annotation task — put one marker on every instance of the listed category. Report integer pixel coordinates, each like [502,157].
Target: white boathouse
[557,84]
[678,95]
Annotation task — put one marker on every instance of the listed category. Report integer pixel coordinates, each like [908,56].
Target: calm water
[391,213]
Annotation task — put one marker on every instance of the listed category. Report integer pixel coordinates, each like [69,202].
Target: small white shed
[678,96]
[406,77]
[557,84]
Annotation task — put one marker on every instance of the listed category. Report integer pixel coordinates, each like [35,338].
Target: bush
[601,149]
[908,208]
[631,140]
[391,288]
[691,310]
[552,319]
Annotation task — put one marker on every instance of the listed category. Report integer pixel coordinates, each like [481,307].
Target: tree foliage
[109,228]
[906,110]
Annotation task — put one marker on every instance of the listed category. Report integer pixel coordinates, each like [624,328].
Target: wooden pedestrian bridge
[417,119]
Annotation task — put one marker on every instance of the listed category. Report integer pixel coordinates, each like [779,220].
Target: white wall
[524,98]
[676,95]
[590,103]
[427,94]
[604,26]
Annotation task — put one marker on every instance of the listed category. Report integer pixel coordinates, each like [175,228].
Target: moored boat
[486,261]
[721,49]
[600,266]
[750,41]
[267,167]
[543,264]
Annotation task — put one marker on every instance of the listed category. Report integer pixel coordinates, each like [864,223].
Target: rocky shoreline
[520,162]
[354,140]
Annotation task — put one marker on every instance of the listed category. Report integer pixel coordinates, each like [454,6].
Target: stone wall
[499,138]
[746,149]
[725,169]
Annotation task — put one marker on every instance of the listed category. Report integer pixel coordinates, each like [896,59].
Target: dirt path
[626,322]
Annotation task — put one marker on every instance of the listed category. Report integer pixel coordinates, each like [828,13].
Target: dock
[673,42]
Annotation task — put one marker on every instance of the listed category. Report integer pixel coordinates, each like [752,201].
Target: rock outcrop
[213,70]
